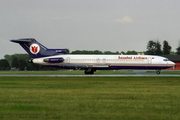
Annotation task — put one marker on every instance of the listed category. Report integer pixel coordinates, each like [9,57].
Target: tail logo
[34,48]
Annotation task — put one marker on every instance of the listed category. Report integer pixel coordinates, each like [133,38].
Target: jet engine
[53,60]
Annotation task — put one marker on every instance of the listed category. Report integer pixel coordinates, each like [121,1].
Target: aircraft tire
[89,73]
[92,72]
[158,72]
[85,72]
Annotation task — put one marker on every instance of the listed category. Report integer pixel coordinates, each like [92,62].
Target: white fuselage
[90,63]
[109,61]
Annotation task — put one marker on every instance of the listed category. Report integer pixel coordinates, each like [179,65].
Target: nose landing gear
[158,72]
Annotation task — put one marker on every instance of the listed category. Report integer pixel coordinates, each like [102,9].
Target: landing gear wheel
[89,72]
[92,72]
[158,72]
[85,72]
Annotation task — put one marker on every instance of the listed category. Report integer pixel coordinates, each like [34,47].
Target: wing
[84,65]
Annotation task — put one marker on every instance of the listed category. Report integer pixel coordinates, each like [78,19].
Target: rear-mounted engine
[53,60]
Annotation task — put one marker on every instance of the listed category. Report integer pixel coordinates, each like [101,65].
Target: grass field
[85,98]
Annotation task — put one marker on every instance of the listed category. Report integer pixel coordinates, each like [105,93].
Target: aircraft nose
[172,63]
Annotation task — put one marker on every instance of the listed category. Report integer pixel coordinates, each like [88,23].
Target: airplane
[90,63]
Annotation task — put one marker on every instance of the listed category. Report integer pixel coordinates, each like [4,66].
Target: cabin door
[149,60]
[68,59]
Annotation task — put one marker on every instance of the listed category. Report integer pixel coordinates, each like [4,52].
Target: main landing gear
[89,71]
[158,72]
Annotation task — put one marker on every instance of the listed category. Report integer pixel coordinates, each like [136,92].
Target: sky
[106,25]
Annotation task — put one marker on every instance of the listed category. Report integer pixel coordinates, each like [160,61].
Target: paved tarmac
[135,73]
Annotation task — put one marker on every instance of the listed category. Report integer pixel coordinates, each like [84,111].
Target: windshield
[166,59]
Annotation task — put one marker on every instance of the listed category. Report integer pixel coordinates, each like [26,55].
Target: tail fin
[37,50]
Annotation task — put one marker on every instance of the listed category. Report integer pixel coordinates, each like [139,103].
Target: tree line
[154,48]
[20,61]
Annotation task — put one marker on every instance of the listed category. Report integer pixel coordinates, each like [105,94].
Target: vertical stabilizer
[37,50]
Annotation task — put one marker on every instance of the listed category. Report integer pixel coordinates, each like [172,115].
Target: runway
[134,73]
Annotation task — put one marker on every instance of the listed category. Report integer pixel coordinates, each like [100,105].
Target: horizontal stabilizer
[21,40]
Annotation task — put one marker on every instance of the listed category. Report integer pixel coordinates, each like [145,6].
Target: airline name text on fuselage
[127,57]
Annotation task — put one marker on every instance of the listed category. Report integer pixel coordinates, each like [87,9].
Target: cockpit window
[165,59]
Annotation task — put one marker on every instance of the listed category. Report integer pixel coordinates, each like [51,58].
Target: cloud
[125,19]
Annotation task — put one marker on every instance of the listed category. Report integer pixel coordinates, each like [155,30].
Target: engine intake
[30,61]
